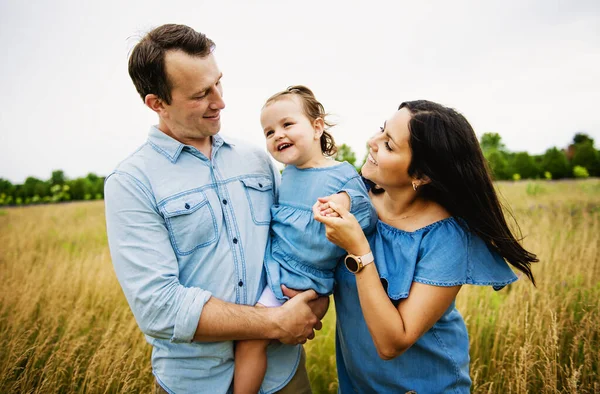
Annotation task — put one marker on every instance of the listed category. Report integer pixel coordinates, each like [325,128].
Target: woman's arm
[393,329]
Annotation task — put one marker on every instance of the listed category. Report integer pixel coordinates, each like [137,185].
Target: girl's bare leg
[250,365]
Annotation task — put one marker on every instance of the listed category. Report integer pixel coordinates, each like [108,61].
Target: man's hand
[318,306]
[296,320]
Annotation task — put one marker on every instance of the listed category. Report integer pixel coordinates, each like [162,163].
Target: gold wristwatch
[355,264]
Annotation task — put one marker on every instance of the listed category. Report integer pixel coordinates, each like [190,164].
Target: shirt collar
[171,148]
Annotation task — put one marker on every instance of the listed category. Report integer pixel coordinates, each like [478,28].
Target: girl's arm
[393,329]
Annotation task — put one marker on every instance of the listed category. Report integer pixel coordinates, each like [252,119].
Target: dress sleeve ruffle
[441,254]
[360,204]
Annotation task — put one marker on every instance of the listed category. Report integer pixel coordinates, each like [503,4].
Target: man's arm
[147,269]
[291,323]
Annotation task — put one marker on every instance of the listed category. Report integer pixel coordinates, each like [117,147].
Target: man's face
[196,97]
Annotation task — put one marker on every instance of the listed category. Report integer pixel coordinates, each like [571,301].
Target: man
[187,219]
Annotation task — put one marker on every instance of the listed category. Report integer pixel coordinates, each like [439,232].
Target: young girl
[440,227]
[298,255]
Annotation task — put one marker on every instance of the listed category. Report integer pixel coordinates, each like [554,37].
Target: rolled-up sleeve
[145,263]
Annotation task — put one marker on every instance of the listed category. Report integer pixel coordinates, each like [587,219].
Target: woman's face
[390,154]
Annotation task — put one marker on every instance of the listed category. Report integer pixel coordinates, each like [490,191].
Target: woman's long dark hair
[445,149]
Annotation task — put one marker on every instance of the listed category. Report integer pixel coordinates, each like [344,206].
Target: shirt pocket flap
[261,183]
[184,205]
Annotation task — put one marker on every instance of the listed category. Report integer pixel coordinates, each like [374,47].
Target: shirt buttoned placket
[233,232]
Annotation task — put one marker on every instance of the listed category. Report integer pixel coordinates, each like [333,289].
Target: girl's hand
[344,231]
[341,198]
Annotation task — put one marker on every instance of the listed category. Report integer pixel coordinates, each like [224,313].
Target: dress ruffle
[441,254]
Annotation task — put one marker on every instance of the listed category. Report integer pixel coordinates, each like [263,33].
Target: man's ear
[319,127]
[154,103]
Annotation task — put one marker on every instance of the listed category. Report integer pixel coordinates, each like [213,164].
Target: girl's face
[389,154]
[291,136]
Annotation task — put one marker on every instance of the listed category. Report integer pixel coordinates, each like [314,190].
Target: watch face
[351,264]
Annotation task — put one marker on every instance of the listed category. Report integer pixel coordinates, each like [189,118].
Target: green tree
[35,187]
[555,161]
[57,178]
[582,138]
[60,193]
[586,156]
[6,187]
[498,165]
[98,188]
[364,159]
[580,172]
[490,142]
[345,153]
[524,165]
[79,188]
[92,177]
[497,157]
[94,187]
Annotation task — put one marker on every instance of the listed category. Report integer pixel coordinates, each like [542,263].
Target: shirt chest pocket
[191,222]
[259,192]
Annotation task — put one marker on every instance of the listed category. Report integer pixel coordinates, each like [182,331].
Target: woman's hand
[344,231]
[342,199]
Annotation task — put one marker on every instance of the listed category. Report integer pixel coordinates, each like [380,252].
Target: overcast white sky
[529,70]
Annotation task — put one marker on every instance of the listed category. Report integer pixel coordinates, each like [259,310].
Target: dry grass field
[65,326]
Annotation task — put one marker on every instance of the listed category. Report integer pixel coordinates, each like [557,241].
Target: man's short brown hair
[147,61]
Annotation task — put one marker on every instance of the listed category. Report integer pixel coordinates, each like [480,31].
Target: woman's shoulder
[456,255]
[450,232]
[444,228]
[443,253]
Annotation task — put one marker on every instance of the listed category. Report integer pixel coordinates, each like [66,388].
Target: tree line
[579,160]
[56,189]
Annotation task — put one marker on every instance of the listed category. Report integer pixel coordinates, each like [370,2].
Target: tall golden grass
[65,326]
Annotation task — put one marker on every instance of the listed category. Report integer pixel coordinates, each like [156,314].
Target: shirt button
[260,185]
[240,283]
[224,202]
[187,206]
[235,240]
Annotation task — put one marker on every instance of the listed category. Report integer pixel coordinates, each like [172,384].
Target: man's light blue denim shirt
[182,228]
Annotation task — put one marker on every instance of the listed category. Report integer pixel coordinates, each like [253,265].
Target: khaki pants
[298,385]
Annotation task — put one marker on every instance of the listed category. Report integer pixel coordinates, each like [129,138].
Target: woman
[440,226]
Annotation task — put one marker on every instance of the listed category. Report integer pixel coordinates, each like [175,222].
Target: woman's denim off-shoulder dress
[441,254]
[298,253]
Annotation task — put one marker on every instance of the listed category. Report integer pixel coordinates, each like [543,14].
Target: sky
[528,70]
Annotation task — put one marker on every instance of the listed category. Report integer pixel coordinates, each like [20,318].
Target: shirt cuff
[188,317]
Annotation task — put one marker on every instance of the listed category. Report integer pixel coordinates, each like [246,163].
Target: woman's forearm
[395,329]
[384,321]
